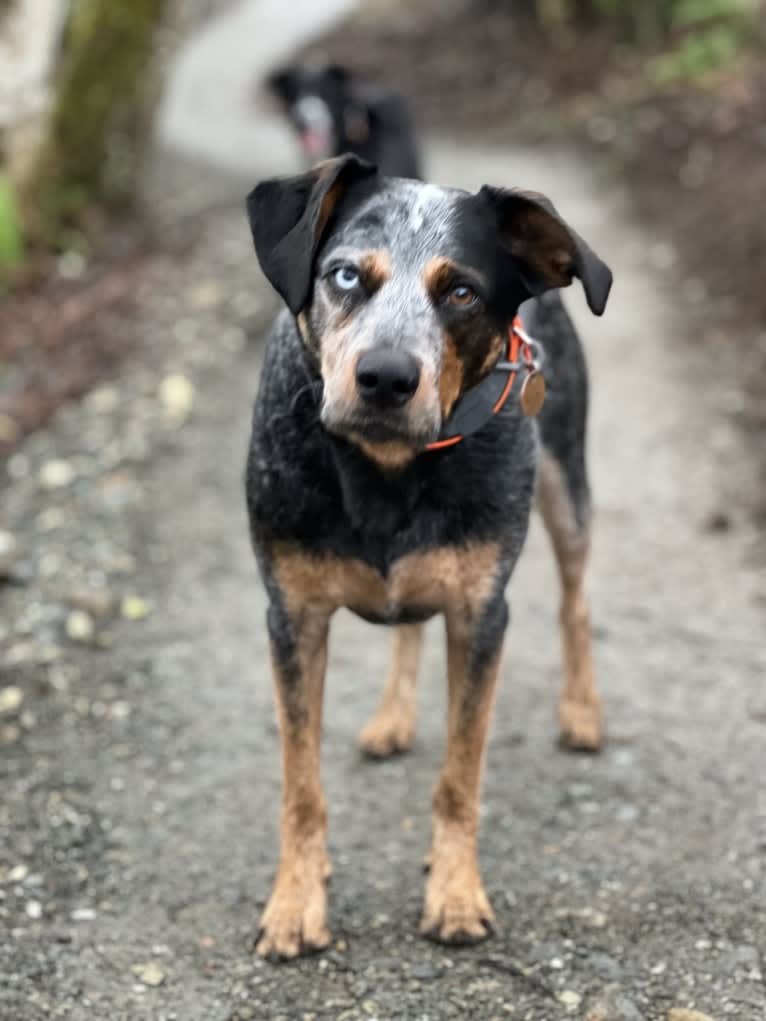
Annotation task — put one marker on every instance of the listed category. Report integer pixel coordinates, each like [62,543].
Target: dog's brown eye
[462,296]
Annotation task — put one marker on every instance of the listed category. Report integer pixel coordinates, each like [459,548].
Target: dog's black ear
[550,252]
[340,75]
[288,216]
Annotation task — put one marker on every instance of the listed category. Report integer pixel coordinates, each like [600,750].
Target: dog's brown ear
[288,216]
[550,252]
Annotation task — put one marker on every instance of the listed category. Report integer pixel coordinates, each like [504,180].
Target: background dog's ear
[288,216]
[281,83]
[550,252]
[338,74]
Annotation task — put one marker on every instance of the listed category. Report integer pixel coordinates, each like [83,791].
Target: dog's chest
[448,579]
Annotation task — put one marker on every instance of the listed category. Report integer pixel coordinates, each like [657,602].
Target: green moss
[105,93]
[10,230]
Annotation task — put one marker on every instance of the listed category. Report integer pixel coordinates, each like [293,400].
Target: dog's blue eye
[346,277]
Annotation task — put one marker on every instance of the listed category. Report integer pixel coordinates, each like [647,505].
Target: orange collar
[517,340]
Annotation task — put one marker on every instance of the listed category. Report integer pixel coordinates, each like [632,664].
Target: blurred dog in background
[334,112]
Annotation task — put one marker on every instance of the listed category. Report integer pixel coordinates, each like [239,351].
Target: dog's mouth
[370,430]
[315,144]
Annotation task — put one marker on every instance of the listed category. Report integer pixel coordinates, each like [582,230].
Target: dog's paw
[581,725]
[295,920]
[456,909]
[389,732]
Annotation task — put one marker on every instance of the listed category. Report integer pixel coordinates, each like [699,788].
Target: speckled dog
[367,489]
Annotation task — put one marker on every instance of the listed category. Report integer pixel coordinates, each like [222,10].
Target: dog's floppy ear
[550,252]
[288,216]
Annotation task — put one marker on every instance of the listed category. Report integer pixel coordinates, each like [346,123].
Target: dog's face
[316,102]
[404,292]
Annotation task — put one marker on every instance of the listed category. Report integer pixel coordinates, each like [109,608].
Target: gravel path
[140,769]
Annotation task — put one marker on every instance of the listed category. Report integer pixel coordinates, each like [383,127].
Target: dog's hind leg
[392,728]
[294,921]
[566,512]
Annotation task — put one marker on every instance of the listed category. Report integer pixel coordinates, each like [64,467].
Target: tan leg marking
[580,716]
[440,579]
[456,908]
[294,921]
[392,728]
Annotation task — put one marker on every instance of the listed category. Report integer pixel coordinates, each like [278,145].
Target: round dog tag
[532,394]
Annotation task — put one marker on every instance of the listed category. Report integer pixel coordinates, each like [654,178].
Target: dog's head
[320,106]
[404,291]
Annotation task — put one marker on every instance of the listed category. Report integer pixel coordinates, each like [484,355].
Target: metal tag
[532,395]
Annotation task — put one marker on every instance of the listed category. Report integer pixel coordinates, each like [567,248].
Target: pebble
[9,734]
[9,553]
[91,601]
[103,400]
[570,999]
[83,915]
[80,626]
[18,874]
[71,265]
[51,518]
[612,1005]
[134,608]
[206,294]
[150,974]
[9,431]
[10,699]
[177,398]
[17,467]
[56,474]
[34,909]
[682,1014]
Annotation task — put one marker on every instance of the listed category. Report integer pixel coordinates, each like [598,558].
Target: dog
[392,470]
[334,112]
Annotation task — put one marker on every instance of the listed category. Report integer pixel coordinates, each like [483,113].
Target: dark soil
[64,330]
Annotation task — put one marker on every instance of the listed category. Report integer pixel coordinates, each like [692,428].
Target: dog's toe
[457,914]
[294,922]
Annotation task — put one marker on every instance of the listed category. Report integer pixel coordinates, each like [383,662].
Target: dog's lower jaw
[390,454]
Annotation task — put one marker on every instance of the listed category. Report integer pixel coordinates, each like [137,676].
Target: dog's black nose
[387,378]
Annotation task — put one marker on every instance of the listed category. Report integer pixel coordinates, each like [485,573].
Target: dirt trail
[141,775]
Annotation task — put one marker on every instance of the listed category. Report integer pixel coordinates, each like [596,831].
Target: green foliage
[696,35]
[698,53]
[11,249]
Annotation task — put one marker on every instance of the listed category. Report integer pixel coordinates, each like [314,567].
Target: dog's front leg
[295,919]
[456,907]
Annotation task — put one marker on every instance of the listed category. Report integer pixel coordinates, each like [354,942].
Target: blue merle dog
[370,486]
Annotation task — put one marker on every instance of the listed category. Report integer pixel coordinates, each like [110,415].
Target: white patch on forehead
[427,197]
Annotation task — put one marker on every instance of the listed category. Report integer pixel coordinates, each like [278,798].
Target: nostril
[405,385]
[367,380]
